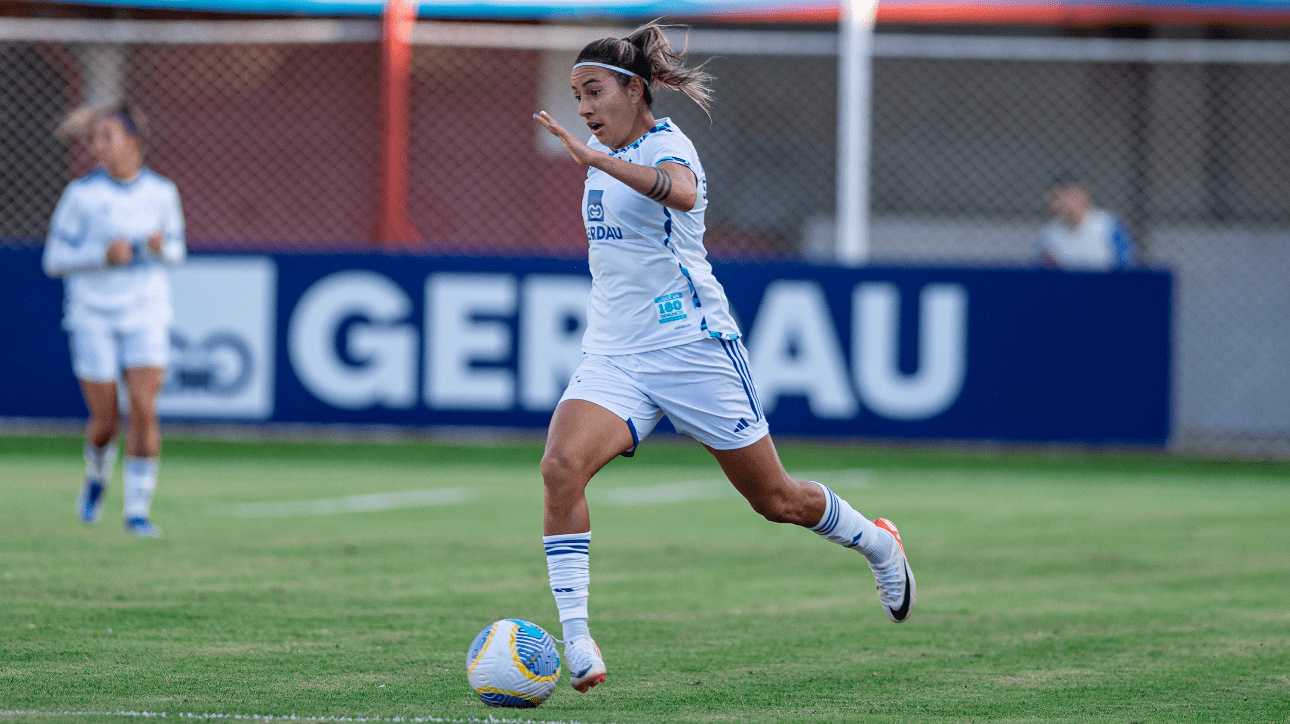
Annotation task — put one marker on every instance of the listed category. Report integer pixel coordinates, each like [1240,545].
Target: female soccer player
[660,338]
[113,232]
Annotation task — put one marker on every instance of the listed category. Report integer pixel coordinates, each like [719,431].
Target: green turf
[1051,588]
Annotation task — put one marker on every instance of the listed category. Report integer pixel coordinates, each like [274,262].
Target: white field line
[369,503]
[690,490]
[678,492]
[269,717]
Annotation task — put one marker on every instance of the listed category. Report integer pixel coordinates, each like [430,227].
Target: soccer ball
[513,663]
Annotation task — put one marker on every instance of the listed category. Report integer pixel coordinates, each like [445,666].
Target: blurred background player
[113,233]
[660,338]
[1081,237]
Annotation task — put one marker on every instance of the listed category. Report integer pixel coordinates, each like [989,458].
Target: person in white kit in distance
[113,233]
[661,340]
[1080,236]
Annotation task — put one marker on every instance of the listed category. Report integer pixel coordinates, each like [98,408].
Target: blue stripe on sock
[837,510]
[831,512]
[564,546]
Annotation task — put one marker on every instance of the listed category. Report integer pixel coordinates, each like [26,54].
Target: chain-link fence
[271,133]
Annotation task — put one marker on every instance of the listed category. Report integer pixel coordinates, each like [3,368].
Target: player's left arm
[669,183]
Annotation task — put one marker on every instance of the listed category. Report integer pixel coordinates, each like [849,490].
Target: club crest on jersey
[595,209]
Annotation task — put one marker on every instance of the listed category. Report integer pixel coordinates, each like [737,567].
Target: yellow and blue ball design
[513,663]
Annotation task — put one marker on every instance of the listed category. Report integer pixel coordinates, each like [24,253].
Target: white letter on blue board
[455,340]
[550,350]
[942,345]
[385,347]
[795,316]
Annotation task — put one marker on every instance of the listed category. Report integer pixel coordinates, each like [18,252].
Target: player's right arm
[670,184]
[68,249]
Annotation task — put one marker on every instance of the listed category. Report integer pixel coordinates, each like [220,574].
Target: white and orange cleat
[896,588]
[586,667]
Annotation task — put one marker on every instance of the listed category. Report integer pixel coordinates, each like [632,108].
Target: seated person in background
[1081,237]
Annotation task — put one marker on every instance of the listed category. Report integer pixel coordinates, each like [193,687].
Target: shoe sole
[901,614]
[584,685]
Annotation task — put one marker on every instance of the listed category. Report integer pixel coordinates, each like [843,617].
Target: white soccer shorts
[704,387]
[100,352]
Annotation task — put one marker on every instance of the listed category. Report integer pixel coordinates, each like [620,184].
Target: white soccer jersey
[652,285]
[1099,243]
[94,210]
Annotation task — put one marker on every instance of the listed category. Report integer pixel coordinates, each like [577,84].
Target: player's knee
[102,428]
[143,414]
[560,469]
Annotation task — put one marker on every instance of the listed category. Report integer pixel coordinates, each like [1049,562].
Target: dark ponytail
[648,53]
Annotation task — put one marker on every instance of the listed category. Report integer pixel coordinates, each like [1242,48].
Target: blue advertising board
[911,353]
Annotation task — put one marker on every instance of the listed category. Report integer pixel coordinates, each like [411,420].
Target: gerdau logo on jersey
[595,208]
[596,212]
[601,231]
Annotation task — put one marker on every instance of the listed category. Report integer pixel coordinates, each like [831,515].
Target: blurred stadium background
[1178,119]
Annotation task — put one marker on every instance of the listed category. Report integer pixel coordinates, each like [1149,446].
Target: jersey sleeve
[174,249]
[674,148]
[66,250]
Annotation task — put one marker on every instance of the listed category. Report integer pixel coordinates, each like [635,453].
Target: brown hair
[648,53]
[81,121]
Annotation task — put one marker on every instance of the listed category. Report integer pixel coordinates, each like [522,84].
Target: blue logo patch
[595,209]
[670,308]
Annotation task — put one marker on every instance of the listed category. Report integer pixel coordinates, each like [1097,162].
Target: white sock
[140,482]
[99,461]
[575,628]
[568,563]
[841,524]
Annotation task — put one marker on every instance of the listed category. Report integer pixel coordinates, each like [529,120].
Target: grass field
[1051,588]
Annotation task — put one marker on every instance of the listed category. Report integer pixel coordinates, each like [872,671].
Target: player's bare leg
[143,446]
[143,385]
[582,439]
[100,447]
[758,475]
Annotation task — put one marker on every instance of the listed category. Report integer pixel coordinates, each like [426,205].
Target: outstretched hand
[580,151]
